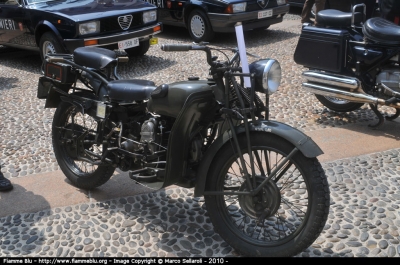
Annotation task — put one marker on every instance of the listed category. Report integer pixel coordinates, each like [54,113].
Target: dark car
[60,26]
[205,17]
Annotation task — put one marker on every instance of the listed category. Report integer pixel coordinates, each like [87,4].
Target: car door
[12,24]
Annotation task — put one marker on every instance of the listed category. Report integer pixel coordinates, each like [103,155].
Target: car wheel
[199,26]
[139,50]
[49,44]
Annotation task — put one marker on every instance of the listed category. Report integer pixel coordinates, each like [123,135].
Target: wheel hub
[264,204]
[197,26]
[48,47]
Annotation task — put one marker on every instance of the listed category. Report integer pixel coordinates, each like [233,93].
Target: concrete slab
[356,139]
[52,189]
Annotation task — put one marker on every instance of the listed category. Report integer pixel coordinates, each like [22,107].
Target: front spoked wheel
[75,156]
[285,216]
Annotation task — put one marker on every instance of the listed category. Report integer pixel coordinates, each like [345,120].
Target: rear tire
[139,50]
[338,105]
[82,174]
[285,217]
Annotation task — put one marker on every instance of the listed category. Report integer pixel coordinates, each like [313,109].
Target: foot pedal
[148,175]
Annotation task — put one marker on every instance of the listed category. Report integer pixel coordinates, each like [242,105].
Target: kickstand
[378,114]
[394,116]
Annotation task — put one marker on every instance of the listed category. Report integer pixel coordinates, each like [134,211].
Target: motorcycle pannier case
[321,48]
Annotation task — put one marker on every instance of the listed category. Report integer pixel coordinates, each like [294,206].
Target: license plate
[264,14]
[126,44]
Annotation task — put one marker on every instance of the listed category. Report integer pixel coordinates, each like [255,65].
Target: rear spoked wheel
[73,155]
[285,216]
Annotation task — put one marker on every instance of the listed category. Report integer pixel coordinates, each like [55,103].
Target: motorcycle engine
[149,134]
[390,77]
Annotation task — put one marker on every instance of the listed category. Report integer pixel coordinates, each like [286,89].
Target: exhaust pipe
[332,80]
[341,87]
[341,94]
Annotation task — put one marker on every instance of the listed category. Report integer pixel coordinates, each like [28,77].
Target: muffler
[338,86]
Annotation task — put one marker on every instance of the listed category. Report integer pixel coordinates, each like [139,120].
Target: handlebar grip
[53,59]
[123,59]
[176,47]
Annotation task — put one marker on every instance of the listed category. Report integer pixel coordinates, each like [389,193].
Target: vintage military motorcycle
[265,191]
[352,61]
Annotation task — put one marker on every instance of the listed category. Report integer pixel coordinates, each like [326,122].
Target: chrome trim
[125,21]
[126,33]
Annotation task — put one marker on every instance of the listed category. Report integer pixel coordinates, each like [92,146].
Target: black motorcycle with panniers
[351,61]
[265,191]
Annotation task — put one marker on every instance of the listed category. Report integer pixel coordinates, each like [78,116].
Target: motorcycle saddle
[130,90]
[95,57]
[336,18]
[382,31]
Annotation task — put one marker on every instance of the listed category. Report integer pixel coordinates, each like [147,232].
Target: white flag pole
[242,52]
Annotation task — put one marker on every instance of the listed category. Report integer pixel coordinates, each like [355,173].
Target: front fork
[230,115]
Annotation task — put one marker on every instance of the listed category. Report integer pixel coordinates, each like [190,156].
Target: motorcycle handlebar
[51,59]
[176,47]
[188,47]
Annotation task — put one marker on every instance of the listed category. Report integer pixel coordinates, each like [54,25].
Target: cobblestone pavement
[365,190]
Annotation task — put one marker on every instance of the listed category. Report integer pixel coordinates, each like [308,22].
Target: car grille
[117,23]
[253,6]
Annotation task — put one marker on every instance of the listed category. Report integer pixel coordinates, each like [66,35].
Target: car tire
[199,26]
[49,44]
[139,50]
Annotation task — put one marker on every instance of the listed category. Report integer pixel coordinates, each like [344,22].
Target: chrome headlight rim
[91,27]
[149,16]
[272,76]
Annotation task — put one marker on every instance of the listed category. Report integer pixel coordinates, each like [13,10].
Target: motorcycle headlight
[267,75]
[149,16]
[89,27]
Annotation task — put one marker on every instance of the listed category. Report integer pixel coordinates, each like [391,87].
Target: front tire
[338,105]
[49,44]
[199,26]
[82,174]
[285,217]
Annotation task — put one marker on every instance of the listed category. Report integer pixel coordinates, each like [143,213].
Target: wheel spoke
[78,123]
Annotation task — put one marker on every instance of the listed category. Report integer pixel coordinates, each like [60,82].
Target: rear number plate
[264,14]
[126,44]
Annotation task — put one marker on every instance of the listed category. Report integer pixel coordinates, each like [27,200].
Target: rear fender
[303,142]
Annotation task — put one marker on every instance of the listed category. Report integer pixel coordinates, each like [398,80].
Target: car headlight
[281,2]
[267,75]
[89,27]
[236,8]
[149,16]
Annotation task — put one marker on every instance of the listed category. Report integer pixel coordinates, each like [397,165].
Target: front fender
[193,4]
[44,26]
[300,140]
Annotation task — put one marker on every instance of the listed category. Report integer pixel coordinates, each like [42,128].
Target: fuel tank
[169,99]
